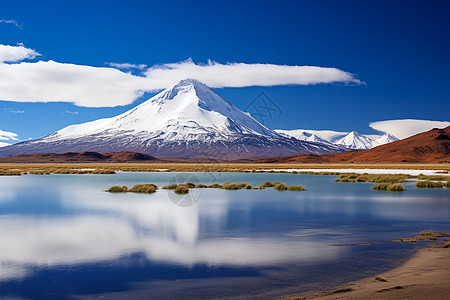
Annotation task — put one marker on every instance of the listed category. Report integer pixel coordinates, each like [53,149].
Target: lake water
[63,237]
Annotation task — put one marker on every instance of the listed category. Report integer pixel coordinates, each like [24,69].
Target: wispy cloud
[70,112]
[126,66]
[12,22]
[50,81]
[10,110]
[16,53]
[407,127]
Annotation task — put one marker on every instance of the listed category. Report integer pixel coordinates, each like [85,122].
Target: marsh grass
[424,235]
[428,184]
[375,178]
[146,188]
[390,187]
[266,184]
[118,189]
[181,189]
[10,173]
[380,279]
[234,186]
[296,188]
[280,187]
[432,177]
[447,184]
[170,186]
[447,245]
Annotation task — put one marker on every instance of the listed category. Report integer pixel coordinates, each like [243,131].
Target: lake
[64,237]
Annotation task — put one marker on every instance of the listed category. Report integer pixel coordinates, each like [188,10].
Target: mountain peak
[354,140]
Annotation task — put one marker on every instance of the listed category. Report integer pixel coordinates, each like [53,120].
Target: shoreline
[424,275]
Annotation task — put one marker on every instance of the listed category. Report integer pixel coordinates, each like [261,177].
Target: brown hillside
[428,147]
[82,157]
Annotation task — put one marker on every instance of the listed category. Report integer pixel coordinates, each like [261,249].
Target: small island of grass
[428,184]
[390,187]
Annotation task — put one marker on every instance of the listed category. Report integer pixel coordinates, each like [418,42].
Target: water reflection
[108,226]
[67,220]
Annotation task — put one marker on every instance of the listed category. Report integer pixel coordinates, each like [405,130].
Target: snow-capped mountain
[185,120]
[384,139]
[351,140]
[4,144]
[354,140]
[304,136]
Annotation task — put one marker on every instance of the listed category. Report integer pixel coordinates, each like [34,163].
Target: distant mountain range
[352,140]
[187,120]
[428,147]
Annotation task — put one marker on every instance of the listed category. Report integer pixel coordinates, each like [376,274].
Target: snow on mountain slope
[187,109]
[185,120]
[384,139]
[354,140]
[4,144]
[303,136]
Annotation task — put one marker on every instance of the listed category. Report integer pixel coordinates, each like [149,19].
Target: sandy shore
[425,276]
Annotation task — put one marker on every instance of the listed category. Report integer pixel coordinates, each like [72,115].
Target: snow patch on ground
[368,171]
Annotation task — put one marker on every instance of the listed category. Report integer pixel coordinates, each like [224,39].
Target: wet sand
[425,276]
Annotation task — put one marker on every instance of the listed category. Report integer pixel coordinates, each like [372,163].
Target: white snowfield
[368,171]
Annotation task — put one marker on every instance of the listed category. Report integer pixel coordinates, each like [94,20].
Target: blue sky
[398,49]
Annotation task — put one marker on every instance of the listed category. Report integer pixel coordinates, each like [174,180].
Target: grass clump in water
[170,186]
[146,188]
[280,187]
[181,189]
[447,245]
[266,184]
[428,184]
[447,184]
[118,189]
[390,187]
[296,188]
[234,186]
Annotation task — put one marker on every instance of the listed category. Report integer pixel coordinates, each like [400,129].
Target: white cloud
[16,53]
[13,22]
[219,75]
[407,127]
[8,136]
[50,81]
[126,66]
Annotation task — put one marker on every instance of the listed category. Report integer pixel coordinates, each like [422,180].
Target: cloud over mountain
[407,127]
[89,86]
